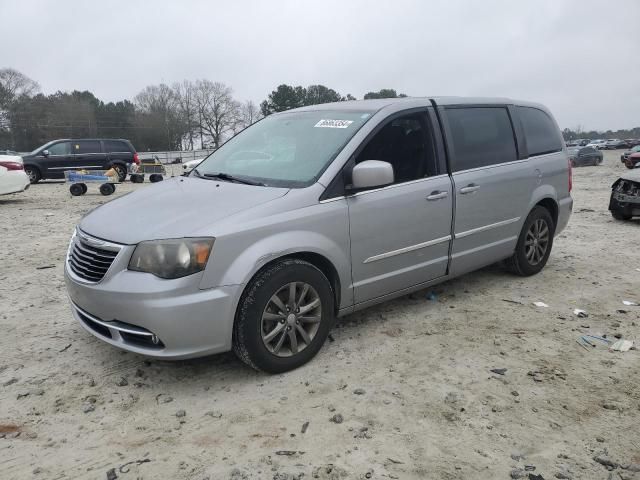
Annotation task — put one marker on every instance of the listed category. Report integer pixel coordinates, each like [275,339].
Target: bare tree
[14,84]
[219,114]
[186,98]
[249,114]
[159,103]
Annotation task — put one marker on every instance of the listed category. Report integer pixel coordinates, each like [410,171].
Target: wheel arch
[552,206]
[316,259]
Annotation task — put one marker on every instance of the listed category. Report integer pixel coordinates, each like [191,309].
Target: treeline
[186,115]
[570,134]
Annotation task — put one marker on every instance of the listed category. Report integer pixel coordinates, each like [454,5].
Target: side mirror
[371,173]
[45,153]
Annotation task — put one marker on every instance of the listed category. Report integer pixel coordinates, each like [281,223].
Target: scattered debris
[622,346]
[511,301]
[44,267]
[586,341]
[499,371]
[629,303]
[541,304]
[65,348]
[432,296]
[580,313]
[359,391]
[181,413]
[606,461]
[289,453]
[135,462]
[331,339]
[337,418]
[111,474]
[123,382]
[305,425]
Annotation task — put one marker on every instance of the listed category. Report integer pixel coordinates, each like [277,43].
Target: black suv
[53,158]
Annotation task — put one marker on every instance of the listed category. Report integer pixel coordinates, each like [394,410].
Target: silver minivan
[314,213]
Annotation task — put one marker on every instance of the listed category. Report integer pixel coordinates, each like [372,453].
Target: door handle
[437,195]
[472,187]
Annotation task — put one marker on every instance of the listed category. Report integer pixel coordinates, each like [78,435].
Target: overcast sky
[580,58]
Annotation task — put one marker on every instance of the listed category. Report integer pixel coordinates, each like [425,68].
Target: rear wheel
[155,177]
[33,173]
[284,316]
[534,244]
[121,171]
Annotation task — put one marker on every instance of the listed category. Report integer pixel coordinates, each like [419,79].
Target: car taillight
[570,176]
[12,165]
[136,160]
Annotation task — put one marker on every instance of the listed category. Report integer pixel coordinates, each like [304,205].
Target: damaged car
[625,196]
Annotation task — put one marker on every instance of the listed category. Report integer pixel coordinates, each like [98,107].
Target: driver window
[406,143]
[62,148]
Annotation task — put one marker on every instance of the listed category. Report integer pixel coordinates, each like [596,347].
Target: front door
[400,234]
[58,160]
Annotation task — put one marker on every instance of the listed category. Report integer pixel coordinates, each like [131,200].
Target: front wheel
[284,316]
[33,173]
[534,244]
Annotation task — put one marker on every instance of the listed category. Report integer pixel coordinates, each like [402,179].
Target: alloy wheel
[537,241]
[291,319]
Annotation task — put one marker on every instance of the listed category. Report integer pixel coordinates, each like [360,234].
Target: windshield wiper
[230,178]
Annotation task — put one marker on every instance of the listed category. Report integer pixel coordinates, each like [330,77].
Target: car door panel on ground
[400,234]
[492,186]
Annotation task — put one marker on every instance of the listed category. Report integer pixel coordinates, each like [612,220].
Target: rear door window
[86,146]
[540,131]
[115,146]
[482,136]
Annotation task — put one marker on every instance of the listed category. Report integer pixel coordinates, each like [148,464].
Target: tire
[84,188]
[107,189]
[155,177]
[258,316]
[523,262]
[121,170]
[618,215]
[137,178]
[574,164]
[33,173]
[76,189]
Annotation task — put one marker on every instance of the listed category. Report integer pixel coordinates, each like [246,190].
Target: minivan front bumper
[167,319]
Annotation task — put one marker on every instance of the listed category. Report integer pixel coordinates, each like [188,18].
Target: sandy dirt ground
[403,391]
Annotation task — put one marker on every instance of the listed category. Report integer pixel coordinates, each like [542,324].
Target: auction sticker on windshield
[325,123]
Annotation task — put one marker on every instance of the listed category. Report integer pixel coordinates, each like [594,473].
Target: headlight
[173,258]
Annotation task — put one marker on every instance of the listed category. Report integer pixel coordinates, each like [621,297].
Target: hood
[633,175]
[174,208]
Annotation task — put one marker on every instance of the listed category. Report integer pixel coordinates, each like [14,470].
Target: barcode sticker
[333,123]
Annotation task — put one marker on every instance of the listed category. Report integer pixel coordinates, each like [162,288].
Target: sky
[581,58]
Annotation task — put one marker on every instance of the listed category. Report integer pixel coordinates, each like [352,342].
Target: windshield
[41,147]
[636,149]
[573,150]
[285,150]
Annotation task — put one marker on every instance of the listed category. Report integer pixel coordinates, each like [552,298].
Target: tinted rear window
[115,146]
[87,146]
[481,136]
[540,131]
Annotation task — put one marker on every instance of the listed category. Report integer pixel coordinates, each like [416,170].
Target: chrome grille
[89,261]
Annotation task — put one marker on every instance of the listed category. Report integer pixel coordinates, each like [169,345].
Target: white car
[191,164]
[13,179]
[599,144]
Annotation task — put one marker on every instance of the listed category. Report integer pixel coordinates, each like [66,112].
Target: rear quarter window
[482,136]
[540,131]
[86,146]
[113,146]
